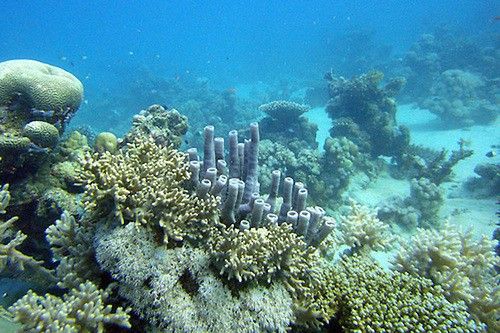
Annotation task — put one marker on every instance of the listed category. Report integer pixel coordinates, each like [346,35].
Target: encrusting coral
[82,310]
[461,266]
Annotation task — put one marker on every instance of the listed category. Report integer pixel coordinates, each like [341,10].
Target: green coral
[82,310]
[143,185]
[106,141]
[373,300]
[41,133]
[463,267]
[265,254]
[40,86]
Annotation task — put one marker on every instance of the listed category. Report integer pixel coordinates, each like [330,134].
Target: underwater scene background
[249,166]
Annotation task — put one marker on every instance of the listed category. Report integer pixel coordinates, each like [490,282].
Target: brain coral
[40,86]
[41,133]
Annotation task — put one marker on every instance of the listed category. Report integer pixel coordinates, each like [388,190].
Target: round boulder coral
[39,85]
[41,133]
[106,141]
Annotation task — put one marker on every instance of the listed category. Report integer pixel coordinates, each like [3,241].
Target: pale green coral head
[106,141]
[42,133]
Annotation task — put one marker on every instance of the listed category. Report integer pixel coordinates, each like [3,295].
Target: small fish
[491,153]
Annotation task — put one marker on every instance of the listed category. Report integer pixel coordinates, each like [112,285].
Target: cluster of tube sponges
[236,182]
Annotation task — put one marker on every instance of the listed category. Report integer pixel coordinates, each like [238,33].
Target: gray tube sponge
[208,148]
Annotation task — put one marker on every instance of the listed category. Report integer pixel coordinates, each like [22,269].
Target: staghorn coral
[264,254]
[82,310]
[370,299]
[463,267]
[71,245]
[436,166]
[362,231]
[142,184]
[165,126]
[176,290]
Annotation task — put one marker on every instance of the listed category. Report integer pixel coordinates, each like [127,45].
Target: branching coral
[463,267]
[265,254]
[82,310]
[142,184]
[10,256]
[373,300]
[362,231]
[71,244]
[176,290]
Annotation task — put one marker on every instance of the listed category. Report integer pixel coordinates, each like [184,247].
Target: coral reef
[36,102]
[488,182]
[442,50]
[365,113]
[176,290]
[362,231]
[460,265]
[286,124]
[462,98]
[165,126]
[81,310]
[373,300]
